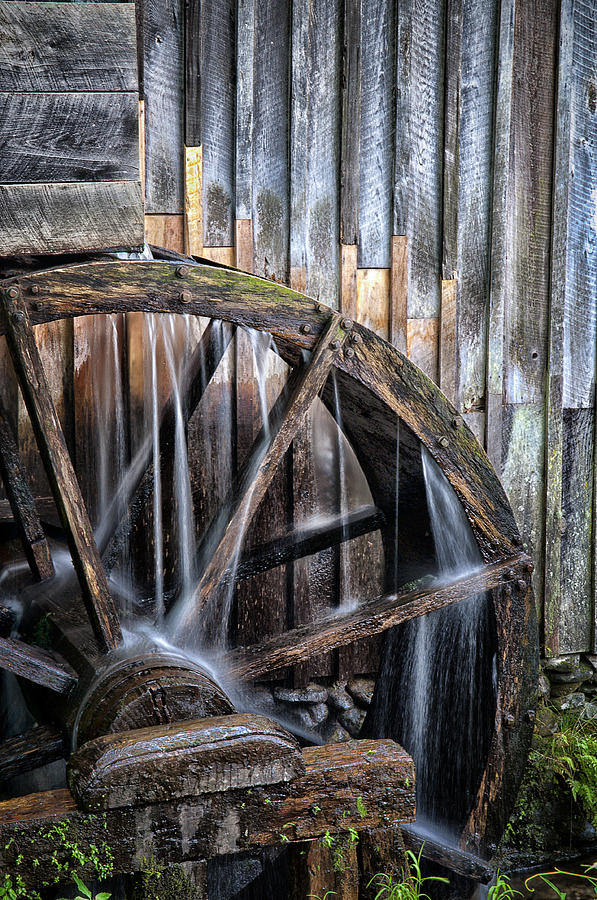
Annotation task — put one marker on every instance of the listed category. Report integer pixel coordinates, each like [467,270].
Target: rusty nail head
[18,315]
[349,352]
[356,339]
[13,293]
[529,567]
[457,421]
[335,345]
[444,442]
[508,720]
[347,324]
[182,271]
[530,715]
[306,329]
[185,297]
[34,288]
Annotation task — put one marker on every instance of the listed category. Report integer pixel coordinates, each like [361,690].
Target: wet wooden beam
[447,855]
[30,750]
[36,665]
[228,527]
[59,469]
[308,540]
[359,784]
[22,503]
[372,617]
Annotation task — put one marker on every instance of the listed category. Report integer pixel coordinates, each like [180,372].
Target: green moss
[157,882]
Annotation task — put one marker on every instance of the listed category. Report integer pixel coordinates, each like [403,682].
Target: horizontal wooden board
[54,218]
[67,47]
[68,137]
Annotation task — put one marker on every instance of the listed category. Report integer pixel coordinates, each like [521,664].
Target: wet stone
[572,701]
[590,711]
[339,698]
[335,734]
[352,720]
[559,691]
[313,693]
[584,672]
[361,690]
[546,722]
[562,663]
[544,687]
[319,712]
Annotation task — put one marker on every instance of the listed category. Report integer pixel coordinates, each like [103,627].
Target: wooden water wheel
[386,403]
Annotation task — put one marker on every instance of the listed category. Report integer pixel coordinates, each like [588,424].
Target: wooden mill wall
[429,167]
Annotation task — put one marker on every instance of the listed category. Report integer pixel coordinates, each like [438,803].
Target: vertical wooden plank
[351,124]
[448,340]
[348,280]
[422,344]
[271,208]
[193,200]
[399,292]
[192,71]
[425,159]
[164,112]
[299,141]
[245,37]
[451,167]
[373,299]
[165,231]
[243,244]
[376,173]
[402,138]
[218,31]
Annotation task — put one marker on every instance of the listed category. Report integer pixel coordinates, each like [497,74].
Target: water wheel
[388,405]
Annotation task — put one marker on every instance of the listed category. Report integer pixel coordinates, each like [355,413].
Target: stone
[313,693]
[546,722]
[335,734]
[563,690]
[352,720]
[544,687]
[339,698]
[572,701]
[319,713]
[590,711]
[562,663]
[361,690]
[584,672]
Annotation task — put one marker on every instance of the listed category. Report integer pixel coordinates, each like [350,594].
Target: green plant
[571,753]
[11,890]
[409,887]
[546,877]
[502,889]
[325,896]
[86,893]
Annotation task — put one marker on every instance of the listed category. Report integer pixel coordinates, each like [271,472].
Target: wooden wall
[429,167]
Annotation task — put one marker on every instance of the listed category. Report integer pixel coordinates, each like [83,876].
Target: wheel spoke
[229,526]
[30,750]
[138,488]
[36,665]
[59,469]
[22,504]
[305,541]
[372,617]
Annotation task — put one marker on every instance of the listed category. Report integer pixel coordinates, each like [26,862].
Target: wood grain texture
[424,225]
[69,137]
[351,122]
[193,201]
[224,256]
[270,177]
[29,751]
[349,280]
[54,218]
[37,665]
[193,69]
[243,245]
[373,299]
[321,870]
[402,139]
[163,48]
[376,158]
[399,292]
[165,231]
[379,772]
[422,345]
[61,475]
[243,168]
[448,340]
[56,47]
[218,94]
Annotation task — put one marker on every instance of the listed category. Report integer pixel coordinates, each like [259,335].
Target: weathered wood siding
[69,145]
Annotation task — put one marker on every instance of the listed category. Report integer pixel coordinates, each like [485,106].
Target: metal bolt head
[18,315]
[185,297]
[508,720]
[318,307]
[530,715]
[510,573]
[349,352]
[335,344]
[517,540]
[306,328]
[521,584]
[444,442]
[182,271]
[34,289]
[357,339]
[13,293]
[529,567]
[457,421]
[347,324]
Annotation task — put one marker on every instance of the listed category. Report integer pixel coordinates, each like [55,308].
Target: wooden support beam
[308,540]
[359,784]
[139,485]
[59,469]
[447,855]
[399,292]
[371,617]
[229,526]
[22,504]
[36,665]
[30,750]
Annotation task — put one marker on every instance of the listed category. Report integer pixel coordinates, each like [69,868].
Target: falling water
[437,683]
